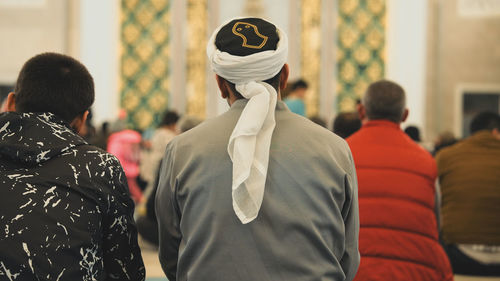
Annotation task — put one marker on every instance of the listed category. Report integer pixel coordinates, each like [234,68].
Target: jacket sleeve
[122,255]
[168,216]
[350,214]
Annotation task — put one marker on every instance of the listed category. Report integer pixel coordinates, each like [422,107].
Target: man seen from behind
[257,193]
[398,237]
[64,204]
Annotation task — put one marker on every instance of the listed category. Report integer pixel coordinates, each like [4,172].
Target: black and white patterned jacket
[65,209]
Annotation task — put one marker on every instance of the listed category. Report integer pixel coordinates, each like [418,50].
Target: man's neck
[231,99]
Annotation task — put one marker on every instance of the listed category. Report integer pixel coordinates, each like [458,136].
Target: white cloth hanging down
[250,140]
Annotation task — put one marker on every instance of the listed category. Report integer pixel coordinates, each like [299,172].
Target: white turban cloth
[250,140]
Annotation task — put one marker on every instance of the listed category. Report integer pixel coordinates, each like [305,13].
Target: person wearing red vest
[398,237]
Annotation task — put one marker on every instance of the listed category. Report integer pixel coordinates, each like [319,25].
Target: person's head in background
[383,100]
[298,89]
[169,120]
[186,123]
[486,121]
[346,124]
[413,132]
[444,139]
[318,120]
[54,83]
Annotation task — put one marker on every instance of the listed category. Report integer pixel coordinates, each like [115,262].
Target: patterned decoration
[145,60]
[311,52]
[360,48]
[197,19]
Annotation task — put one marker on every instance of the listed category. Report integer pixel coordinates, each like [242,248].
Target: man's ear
[285,71]
[361,111]
[221,83]
[11,102]
[405,115]
[79,123]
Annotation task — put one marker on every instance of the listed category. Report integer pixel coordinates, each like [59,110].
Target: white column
[99,43]
[406,53]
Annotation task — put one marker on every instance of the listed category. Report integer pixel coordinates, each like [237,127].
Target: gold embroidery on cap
[237,30]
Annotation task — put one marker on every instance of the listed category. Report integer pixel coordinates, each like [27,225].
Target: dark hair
[413,132]
[346,124]
[170,117]
[485,121]
[54,83]
[275,82]
[384,100]
[299,84]
[318,120]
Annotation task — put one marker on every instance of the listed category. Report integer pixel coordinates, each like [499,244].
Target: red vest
[398,237]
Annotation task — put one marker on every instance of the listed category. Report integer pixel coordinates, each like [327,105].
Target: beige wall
[29,29]
[462,50]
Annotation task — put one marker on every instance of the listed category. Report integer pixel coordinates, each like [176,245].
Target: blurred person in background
[186,123]
[346,124]
[147,222]
[100,139]
[295,98]
[318,120]
[398,237]
[126,146]
[469,176]
[444,139]
[166,131]
[414,133]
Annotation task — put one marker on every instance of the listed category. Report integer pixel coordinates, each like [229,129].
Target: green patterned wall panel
[144,61]
[360,48]
[310,41]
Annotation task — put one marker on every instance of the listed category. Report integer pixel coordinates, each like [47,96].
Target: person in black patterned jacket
[65,208]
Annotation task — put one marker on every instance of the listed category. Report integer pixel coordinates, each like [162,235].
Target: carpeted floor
[155,273]
[150,257]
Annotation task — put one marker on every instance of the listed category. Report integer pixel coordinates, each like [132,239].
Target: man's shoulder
[451,151]
[93,155]
[209,130]
[302,133]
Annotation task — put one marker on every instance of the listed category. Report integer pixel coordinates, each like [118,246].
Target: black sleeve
[122,255]
[150,204]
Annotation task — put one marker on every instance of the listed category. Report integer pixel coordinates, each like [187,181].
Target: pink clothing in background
[125,145]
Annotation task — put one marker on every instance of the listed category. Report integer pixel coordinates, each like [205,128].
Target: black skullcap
[247,36]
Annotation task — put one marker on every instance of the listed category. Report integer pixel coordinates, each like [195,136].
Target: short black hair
[299,84]
[485,121]
[274,82]
[55,83]
[413,132]
[346,124]
[169,118]
[318,120]
[384,100]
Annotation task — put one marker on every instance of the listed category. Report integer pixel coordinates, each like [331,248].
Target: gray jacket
[307,228]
